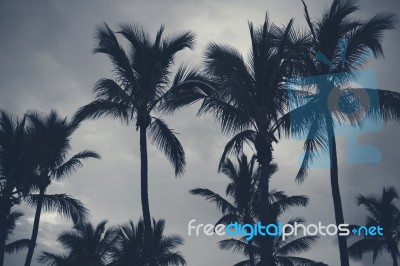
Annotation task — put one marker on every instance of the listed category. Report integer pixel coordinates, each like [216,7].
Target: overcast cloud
[46,62]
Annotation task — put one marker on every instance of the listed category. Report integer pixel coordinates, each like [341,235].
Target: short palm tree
[284,252]
[339,49]
[141,79]
[16,245]
[49,138]
[84,245]
[14,170]
[132,251]
[383,212]
[246,97]
[243,203]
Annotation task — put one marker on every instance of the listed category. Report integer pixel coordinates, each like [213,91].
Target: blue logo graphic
[350,108]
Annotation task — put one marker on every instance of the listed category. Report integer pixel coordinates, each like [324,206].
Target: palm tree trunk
[337,201]
[264,156]
[394,257]
[3,216]
[251,253]
[35,229]
[148,239]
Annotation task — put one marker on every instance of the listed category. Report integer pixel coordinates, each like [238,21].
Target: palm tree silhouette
[130,248]
[284,252]
[384,213]
[243,206]
[142,77]
[247,98]
[16,245]
[340,68]
[15,170]
[49,137]
[85,245]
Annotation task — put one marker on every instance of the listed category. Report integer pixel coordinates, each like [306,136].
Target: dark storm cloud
[46,62]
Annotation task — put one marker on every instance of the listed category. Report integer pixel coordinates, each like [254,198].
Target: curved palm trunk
[264,156]
[337,201]
[35,229]
[145,197]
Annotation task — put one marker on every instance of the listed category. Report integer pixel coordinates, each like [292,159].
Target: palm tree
[14,170]
[284,252]
[247,97]
[49,137]
[333,68]
[242,192]
[132,251]
[16,245]
[384,213]
[85,245]
[141,79]
[243,203]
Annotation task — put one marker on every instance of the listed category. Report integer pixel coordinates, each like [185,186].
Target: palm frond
[51,259]
[235,145]
[17,246]
[74,163]
[165,139]
[213,197]
[98,108]
[63,204]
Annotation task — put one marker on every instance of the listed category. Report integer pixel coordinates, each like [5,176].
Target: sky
[46,62]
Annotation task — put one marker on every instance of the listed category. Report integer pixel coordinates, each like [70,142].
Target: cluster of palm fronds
[252,101]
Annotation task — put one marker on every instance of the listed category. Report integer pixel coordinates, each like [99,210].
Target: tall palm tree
[85,245]
[246,97]
[333,66]
[384,213]
[141,79]
[132,251]
[50,138]
[16,245]
[14,170]
[243,203]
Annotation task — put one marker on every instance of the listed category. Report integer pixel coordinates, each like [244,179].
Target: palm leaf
[165,139]
[63,204]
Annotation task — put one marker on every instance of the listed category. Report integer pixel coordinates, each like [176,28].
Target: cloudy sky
[46,63]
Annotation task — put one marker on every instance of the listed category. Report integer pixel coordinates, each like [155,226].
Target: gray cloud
[46,62]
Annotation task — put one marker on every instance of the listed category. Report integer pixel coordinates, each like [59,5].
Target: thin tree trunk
[35,229]
[3,217]
[337,201]
[251,253]
[394,257]
[264,156]
[148,239]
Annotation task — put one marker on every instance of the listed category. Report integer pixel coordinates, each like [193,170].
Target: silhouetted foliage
[142,76]
[384,213]
[130,248]
[49,139]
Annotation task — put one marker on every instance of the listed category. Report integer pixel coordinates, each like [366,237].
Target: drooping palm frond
[236,144]
[221,203]
[74,163]
[51,259]
[17,246]
[10,225]
[63,204]
[99,108]
[11,222]
[165,139]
